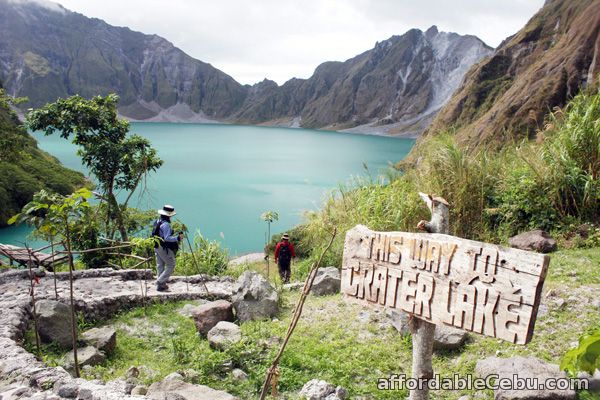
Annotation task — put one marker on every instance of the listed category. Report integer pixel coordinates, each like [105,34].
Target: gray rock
[293,286]
[104,339]
[139,390]
[85,356]
[174,376]
[66,390]
[188,309]
[54,322]
[593,380]
[524,368]
[239,375]
[536,240]
[190,375]
[15,392]
[208,315]
[464,398]
[121,385]
[316,389]
[339,394]
[327,282]
[399,320]
[448,338]
[560,303]
[255,298]
[224,334]
[132,372]
[179,390]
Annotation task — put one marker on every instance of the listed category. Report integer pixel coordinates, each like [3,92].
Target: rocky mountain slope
[47,51]
[401,83]
[507,95]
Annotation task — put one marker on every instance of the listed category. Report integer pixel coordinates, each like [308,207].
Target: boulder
[316,389]
[239,375]
[104,339]
[67,390]
[399,320]
[173,376]
[85,356]
[293,286]
[525,368]
[224,334]
[593,380]
[179,390]
[537,240]
[188,310]
[327,281]
[448,338]
[54,322]
[255,298]
[139,390]
[208,315]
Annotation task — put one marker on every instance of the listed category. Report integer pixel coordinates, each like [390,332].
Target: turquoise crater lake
[220,178]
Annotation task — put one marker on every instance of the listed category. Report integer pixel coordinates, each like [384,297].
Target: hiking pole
[185,229]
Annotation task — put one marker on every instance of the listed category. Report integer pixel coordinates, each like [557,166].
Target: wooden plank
[478,287]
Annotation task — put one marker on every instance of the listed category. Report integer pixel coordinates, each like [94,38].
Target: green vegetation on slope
[25,168]
[551,184]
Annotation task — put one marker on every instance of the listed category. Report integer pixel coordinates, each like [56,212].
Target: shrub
[549,184]
[208,258]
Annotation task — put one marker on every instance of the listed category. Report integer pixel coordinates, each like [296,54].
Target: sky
[280,39]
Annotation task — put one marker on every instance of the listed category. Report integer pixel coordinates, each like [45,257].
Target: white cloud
[281,39]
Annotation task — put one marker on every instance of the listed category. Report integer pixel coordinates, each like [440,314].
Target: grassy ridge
[26,169]
[552,183]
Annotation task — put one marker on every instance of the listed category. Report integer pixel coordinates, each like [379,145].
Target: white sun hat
[167,210]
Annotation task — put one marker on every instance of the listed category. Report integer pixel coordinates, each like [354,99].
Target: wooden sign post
[444,280]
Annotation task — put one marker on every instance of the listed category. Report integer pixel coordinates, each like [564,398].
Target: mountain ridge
[507,95]
[48,54]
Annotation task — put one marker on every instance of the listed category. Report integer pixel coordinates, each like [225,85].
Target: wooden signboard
[478,287]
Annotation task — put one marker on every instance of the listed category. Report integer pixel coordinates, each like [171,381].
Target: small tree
[118,161]
[37,217]
[269,217]
[60,214]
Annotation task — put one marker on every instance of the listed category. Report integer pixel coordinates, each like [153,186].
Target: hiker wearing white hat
[166,247]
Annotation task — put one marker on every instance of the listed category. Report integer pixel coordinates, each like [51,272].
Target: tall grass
[550,184]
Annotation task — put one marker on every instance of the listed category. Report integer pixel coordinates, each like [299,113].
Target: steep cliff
[397,86]
[507,95]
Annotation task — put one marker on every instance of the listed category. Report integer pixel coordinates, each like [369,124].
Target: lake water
[220,178]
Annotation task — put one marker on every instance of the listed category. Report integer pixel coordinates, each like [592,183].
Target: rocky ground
[98,294]
[338,351]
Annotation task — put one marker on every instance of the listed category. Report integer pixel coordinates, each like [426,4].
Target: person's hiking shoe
[162,288]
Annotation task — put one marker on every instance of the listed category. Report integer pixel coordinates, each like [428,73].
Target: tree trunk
[116,209]
[73,322]
[423,332]
[422,369]
[32,284]
[53,268]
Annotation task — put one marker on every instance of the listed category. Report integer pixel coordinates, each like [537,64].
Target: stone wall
[98,294]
